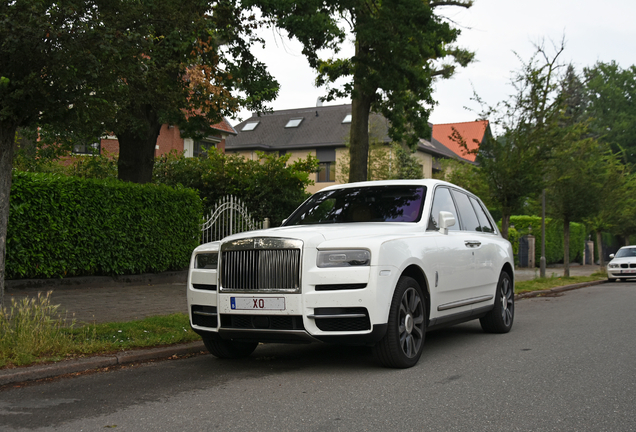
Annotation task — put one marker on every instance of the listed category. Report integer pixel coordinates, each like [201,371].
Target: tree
[47,64]
[386,160]
[575,181]
[625,217]
[164,61]
[527,126]
[617,208]
[611,92]
[399,48]
[579,165]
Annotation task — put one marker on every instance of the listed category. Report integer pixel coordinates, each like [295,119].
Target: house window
[199,146]
[347,119]
[293,123]
[327,165]
[87,149]
[326,172]
[250,126]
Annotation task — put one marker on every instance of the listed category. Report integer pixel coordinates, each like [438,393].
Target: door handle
[472,243]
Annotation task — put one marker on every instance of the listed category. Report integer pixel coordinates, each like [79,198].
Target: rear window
[363,204]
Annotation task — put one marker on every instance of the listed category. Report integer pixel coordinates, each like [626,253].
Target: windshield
[626,252]
[401,203]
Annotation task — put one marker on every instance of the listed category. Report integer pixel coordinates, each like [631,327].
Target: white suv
[371,263]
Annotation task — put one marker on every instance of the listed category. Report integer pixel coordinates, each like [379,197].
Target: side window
[442,201]
[466,212]
[484,221]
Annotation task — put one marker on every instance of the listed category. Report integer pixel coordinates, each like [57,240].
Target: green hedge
[553,238]
[66,226]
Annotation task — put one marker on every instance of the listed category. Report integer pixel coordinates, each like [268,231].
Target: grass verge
[554,282]
[32,331]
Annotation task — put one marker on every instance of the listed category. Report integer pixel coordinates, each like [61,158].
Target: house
[169,139]
[321,131]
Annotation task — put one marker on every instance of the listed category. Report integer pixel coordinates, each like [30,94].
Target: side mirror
[446,219]
[612,256]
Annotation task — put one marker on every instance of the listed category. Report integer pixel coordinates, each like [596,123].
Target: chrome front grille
[261,265]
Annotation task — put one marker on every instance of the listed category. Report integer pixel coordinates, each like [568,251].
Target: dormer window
[295,122]
[347,119]
[250,126]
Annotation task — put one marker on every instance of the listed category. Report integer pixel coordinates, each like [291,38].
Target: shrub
[269,187]
[525,225]
[66,226]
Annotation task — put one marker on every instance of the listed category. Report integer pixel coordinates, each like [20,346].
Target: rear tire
[401,346]
[229,348]
[500,318]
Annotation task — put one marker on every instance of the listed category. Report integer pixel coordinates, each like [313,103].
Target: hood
[315,235]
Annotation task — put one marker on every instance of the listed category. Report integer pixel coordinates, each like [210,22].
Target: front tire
[401,346]
[229,348]
[500,318]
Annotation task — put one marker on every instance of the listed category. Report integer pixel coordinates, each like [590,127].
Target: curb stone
[30,373]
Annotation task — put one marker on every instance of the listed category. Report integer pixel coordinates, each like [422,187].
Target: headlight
[344,258]
[613,266]
[206,260]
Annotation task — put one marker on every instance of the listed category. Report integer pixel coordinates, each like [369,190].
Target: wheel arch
[415,272]
[509,269]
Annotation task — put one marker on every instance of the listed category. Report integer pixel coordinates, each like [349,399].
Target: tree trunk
[137,148]
[566,247]
[505,223]
[359,136]
[7,138]
[599,246]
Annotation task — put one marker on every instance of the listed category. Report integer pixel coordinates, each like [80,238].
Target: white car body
[458,271]
[623,264]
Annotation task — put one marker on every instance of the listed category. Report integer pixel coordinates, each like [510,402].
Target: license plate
[629,271]
[257,303]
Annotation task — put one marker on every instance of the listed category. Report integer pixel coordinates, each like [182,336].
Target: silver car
[623,264]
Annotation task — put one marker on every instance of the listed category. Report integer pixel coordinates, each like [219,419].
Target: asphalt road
[569,364]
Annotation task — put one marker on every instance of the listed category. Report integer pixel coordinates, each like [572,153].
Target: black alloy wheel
[401,346]
[501,317]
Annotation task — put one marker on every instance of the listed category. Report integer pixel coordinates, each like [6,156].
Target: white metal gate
[228,217]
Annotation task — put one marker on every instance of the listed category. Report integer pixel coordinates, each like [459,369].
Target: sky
[495,30]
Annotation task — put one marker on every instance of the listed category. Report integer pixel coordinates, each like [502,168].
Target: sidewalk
[105,299]
[525,274]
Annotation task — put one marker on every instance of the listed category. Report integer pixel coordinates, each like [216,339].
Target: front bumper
[621,273]
[335,305]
